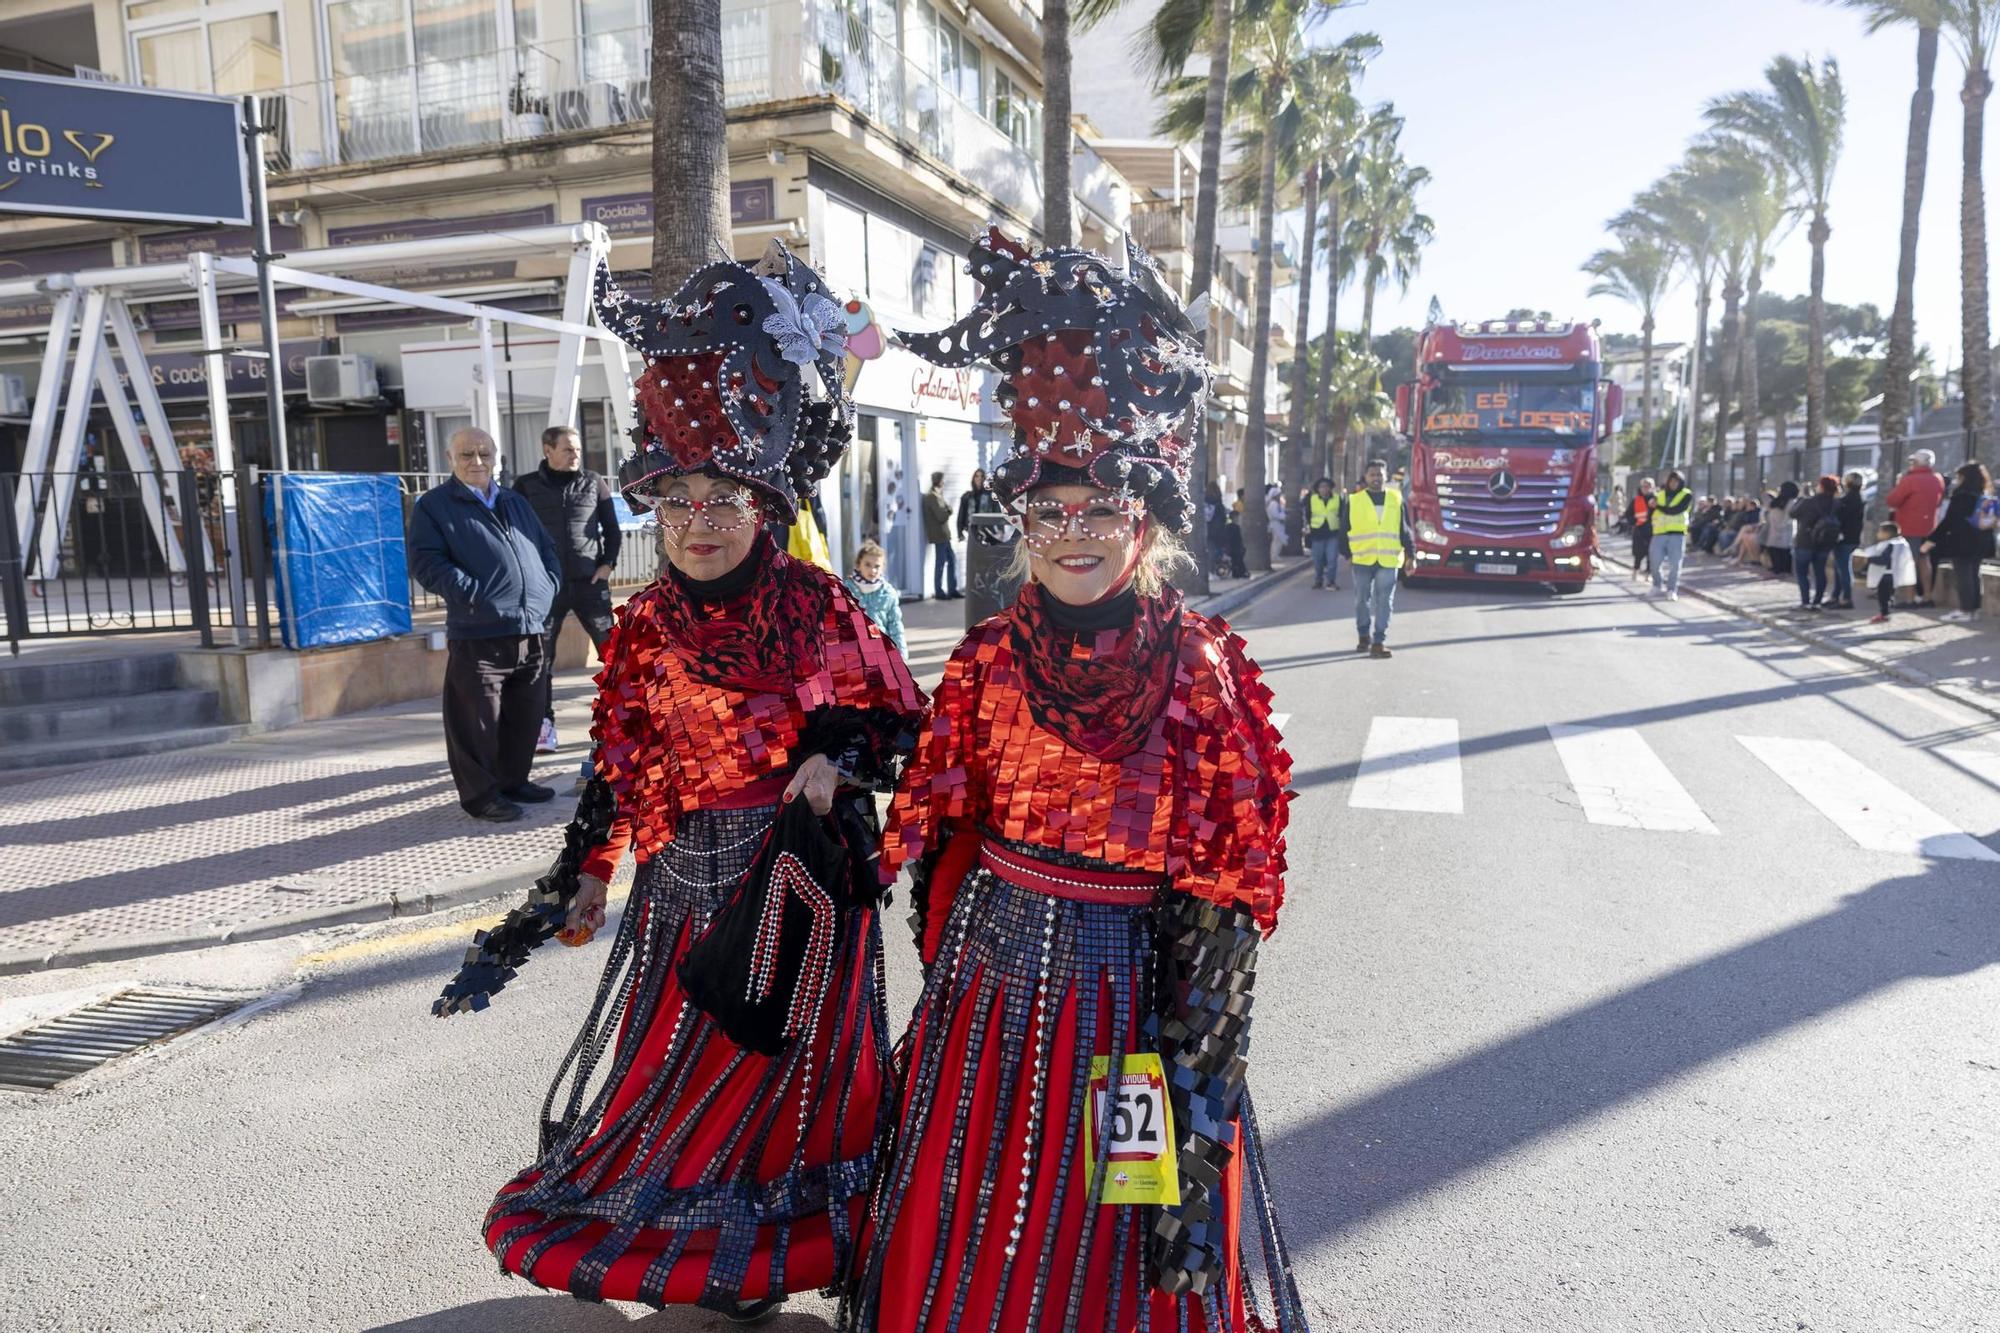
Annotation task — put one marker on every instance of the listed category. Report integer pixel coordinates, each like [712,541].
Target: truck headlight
[1569,537]
[1428,534]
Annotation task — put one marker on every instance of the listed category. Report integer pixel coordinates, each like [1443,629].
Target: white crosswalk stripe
[1877,814]
[1981,762]
[1410,763]
[1621,782]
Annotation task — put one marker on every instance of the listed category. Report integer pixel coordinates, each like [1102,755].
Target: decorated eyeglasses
[725,513]
[1104,517]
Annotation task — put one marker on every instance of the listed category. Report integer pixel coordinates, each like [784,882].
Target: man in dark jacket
[480,547]
[574,505]
[937,531]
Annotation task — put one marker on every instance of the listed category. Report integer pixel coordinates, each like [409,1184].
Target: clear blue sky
[1539,119]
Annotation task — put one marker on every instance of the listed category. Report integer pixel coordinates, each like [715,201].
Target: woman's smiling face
[1082,541]
[707,524]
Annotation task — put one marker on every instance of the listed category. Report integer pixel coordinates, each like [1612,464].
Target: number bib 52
[1138,1123]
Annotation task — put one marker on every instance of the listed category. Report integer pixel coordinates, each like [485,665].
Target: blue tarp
[337,549]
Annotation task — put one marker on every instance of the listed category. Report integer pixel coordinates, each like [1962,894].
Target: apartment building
[872,136]
[1626,366]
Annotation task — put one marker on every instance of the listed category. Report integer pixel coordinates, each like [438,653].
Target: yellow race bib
[1140,1164]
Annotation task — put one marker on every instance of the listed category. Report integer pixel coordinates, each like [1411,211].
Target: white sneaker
[1954,616]
[545,743]
[1673,596]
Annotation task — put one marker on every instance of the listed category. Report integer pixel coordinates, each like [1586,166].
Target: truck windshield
[1518,409]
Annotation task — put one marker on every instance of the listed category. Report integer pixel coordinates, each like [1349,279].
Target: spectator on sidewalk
[1815,532]
[878,596]
[1850,511]
[480,547]
[1639,522]
[1913,504]
[1323,533]
[575,509]
[1747,543]
[1669,544]
[1777,534]
[1274,520]
[1959,539]
[1374,534]
[1890,567]
[981,500]
[937,531]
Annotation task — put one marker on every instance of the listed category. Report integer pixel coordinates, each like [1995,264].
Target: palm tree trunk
[1732,297]
[1646,379]
[1207,190]
[1816,334]
[1977,375]
[1329,355]
[1056,150]
[1367,338]
[690,141]
[1701,303]
[1901,357]
[1746,351]
[1292,471]
[1256,525]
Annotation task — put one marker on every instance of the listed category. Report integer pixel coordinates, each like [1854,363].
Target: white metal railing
[771,53]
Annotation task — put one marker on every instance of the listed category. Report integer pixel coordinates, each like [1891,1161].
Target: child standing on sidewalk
[1890,566]
[878,596]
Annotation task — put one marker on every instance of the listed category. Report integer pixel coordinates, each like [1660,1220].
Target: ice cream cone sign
[864,338]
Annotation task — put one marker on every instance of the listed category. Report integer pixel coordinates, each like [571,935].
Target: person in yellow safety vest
[1323,533]
[1670,527]
[1374,535]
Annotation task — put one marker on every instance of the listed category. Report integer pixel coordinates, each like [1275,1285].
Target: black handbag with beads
[763,967]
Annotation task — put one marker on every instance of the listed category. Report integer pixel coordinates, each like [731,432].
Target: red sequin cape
[669,743]
[1204,801]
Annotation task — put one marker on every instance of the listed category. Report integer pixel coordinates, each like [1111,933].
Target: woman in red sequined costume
[701,1172]
[1094,821]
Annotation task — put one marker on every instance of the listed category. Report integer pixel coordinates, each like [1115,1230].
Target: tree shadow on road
[1371,1155]
[552,1313]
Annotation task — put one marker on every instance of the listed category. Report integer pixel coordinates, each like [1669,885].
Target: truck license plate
[1493,569]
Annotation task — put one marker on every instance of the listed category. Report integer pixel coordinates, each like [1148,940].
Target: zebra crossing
[1412,764]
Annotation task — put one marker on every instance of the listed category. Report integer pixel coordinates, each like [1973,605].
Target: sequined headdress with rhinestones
[1102,371]
[725,382]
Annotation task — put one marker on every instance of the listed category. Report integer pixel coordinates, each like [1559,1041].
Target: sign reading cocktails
[109,150]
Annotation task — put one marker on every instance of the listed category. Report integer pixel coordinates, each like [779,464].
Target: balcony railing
[771,53]
[1161,226]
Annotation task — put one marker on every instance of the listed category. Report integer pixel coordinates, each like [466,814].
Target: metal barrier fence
[1741,476]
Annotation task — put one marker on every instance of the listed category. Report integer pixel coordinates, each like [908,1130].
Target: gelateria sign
[108,150]
[901,382]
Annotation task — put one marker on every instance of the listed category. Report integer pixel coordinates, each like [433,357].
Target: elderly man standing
[1913,504]
[481,548]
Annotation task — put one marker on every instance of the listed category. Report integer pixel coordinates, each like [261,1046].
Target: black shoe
[530,793]
[496,810]
[754,1312]
[1319,583]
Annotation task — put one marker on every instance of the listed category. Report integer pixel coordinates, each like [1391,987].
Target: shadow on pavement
[554,1313]
[1395,1145]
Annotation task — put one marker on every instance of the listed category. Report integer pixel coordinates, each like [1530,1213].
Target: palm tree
[1749,205]
[1385,233]
[1639,272]
[1342,171]
[1924,16]
[1799,122]
[1057,152]
[1765,209]
[690,140]
[1973,27]
[1354,397]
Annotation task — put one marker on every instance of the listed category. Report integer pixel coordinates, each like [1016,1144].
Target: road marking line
[1978,760]
[1876,813]
[1621,782]
[1410,763]
[1958,717]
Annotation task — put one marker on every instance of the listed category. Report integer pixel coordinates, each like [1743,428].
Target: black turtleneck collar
[1117,611]
[732,584]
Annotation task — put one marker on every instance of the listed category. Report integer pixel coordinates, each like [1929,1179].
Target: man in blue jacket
[480,547]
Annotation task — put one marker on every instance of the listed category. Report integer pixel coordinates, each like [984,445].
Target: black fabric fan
[763,967]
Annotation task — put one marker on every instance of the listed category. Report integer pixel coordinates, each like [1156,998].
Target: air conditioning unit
[341,379]
[13,396]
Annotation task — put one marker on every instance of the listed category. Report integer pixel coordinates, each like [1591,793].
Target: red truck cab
[1504,421]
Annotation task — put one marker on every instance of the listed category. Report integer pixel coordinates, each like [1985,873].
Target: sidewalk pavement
[1958,660]
[352,819]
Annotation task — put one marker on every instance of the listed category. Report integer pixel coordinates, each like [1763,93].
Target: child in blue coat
[878,596]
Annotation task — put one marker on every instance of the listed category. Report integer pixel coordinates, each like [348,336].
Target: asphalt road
[1687,1020]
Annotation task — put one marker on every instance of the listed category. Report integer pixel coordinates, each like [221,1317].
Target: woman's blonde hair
[1161,552]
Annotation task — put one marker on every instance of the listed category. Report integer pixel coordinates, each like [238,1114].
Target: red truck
[1503,422]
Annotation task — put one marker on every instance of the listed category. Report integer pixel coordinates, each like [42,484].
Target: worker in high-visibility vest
[1670,526]
[1374,536]
[1323,533]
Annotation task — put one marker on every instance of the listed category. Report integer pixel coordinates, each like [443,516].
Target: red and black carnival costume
[699,1171]
[1094,820]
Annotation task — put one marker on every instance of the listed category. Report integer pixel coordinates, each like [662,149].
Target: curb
[121,947]
[1221,604]
[1906,675]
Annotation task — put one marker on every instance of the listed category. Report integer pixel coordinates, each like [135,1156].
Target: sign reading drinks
[108,150]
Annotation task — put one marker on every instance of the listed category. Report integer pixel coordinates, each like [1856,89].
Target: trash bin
[990,583]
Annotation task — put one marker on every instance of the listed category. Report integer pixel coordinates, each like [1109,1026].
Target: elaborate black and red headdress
[1102,370]
[724,385]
